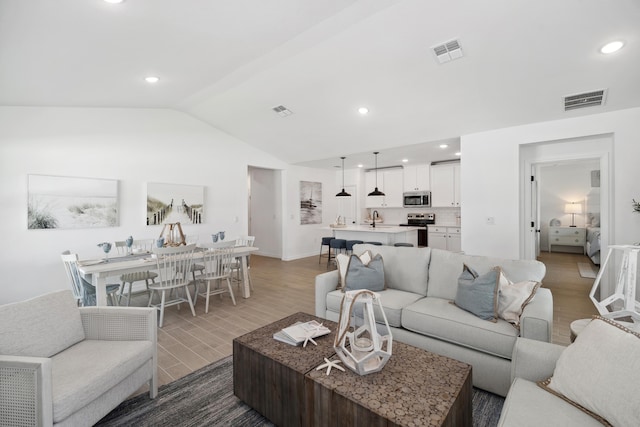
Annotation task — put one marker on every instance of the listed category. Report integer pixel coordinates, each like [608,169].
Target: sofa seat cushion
[85,371]
[439,318]
[527,405]
[392,300]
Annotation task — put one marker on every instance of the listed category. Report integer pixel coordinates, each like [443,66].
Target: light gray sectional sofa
[67,366]
[420,285]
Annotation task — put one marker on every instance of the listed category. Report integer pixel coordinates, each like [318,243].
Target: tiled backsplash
[445,216]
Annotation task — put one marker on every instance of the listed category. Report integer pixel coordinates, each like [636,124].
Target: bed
[592,219]
[593,244]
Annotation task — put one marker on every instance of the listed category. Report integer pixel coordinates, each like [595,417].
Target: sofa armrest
[119,323]
[536,321]
[325,283]
[534,360]
[25,394]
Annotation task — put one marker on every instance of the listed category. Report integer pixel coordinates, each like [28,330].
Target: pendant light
[343,193]
[376,192]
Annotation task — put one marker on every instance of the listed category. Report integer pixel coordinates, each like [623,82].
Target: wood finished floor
[187,343]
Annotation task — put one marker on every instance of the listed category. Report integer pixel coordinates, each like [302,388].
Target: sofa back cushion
[445,268]
[41,326]
[405,268]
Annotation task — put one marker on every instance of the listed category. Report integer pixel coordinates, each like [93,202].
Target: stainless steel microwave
[416,199]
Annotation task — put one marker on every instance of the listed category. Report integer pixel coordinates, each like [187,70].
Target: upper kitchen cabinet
[445,185]
[390,182]
[416,178]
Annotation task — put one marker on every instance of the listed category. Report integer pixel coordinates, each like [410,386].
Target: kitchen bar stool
[409,245]
[336,245]
[350,244]
[325,242]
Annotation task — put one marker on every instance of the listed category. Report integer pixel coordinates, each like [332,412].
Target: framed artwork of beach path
[310,202]
[64,202]
[171,203]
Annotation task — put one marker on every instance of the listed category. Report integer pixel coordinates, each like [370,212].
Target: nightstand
[568,236]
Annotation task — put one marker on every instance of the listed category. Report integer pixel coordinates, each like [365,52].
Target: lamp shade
[573,208]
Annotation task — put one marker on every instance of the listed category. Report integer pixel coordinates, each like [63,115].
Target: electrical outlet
[491,220]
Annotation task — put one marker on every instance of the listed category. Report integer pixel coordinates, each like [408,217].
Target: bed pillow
[360,276]
[342,260]
[478,294]
[600,372]
[513,297]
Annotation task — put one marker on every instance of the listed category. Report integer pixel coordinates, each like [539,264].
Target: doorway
[264,219]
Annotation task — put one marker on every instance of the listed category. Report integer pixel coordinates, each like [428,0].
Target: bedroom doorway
[557,173]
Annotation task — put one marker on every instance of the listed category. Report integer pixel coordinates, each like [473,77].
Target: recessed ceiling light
[458,154]
[363,110]
[444,145]
[152,79]
[114,1]
[360,165]
[405,160]
[612,47]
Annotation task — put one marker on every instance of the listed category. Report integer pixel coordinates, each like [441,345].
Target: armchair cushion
[600,372]
[41,326]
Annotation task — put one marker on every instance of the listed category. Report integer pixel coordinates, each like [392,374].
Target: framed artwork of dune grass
[65,202]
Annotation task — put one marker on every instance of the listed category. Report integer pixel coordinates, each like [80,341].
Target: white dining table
[116,266]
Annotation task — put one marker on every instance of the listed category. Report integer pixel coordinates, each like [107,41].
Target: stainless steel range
[420,220]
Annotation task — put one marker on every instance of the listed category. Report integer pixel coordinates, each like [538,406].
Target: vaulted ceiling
[229,63]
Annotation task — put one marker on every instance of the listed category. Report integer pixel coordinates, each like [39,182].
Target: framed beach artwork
[310,202]
[171,203]
[66,202]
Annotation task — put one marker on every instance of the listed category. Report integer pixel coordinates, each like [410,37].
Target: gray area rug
[587,270]
[205,398]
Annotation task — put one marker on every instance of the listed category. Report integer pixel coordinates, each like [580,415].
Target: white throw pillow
[513,297]
[342,260]
[600,372]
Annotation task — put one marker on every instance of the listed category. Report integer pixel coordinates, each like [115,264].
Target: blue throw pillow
[479,294]
[361,276]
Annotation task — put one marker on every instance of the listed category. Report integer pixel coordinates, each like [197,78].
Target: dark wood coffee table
[416,387]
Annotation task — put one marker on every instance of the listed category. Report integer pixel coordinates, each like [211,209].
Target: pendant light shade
[376,192]
[343,193]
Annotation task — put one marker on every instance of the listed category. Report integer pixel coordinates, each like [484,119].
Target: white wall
[134,146]
[490,178]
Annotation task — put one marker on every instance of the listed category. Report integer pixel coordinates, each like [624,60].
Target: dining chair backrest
[70,262]
[171,260]
[144,244]
[121,247]
[217,259]
[245,241]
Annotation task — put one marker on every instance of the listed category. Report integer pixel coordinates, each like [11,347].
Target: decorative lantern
[361,348]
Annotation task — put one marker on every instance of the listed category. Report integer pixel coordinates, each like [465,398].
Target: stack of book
[299,332]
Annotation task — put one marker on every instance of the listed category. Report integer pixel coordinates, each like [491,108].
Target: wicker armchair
[66,365]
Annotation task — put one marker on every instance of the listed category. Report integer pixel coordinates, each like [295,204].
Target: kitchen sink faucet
[374,215]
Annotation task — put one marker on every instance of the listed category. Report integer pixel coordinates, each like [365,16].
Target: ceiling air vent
[448,51]
[582,100]
[282,111]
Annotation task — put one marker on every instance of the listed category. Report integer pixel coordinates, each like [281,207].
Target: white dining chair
[83,291]
[217,267]
[172,285]
[237,262]
[142,245]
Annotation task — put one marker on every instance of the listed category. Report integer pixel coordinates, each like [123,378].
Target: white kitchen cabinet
[390,182]
[416,178]
[447,238]
[445,185]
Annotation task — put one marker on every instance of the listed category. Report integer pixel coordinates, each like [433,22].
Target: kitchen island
[385,234]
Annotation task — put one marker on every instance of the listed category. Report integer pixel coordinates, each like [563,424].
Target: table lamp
[573,209]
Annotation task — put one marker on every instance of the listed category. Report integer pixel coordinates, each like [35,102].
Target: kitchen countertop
[380,228]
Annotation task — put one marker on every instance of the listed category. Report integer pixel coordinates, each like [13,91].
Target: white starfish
[330,364]
[311,334]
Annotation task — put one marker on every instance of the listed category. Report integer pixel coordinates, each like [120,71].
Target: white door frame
[530,160]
